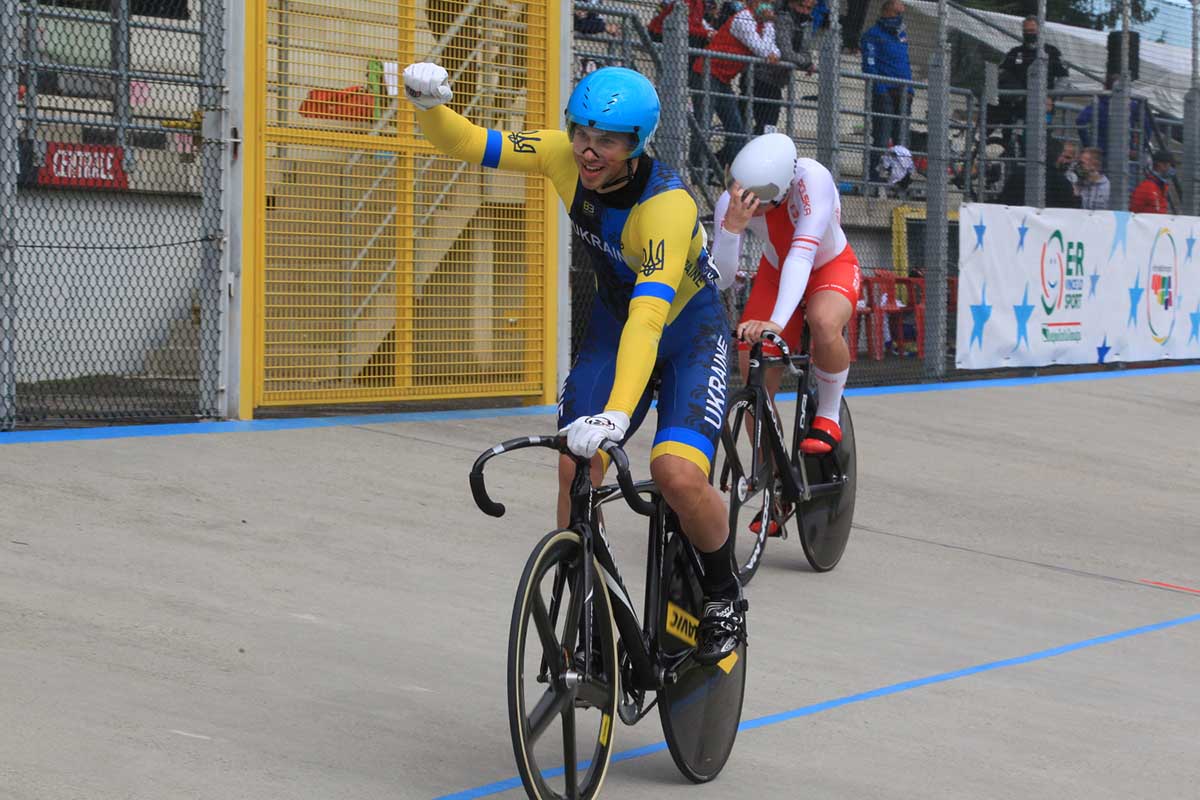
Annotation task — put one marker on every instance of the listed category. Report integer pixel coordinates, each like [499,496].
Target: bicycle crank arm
[822,489]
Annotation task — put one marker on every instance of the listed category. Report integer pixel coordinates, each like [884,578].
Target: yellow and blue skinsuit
[654,304]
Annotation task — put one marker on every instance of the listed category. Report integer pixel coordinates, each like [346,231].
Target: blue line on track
[303,423]
[896,688]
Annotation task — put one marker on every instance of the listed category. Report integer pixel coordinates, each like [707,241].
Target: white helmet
[766,166]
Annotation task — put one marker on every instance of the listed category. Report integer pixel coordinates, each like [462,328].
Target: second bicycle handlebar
[559,443]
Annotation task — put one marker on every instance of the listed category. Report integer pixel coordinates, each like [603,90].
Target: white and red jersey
[800,235]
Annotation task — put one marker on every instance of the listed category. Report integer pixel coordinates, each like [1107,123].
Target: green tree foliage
[1100,15]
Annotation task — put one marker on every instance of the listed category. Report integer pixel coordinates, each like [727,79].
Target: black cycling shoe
[721,630]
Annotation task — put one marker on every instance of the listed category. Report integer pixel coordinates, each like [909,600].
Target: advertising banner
[1062,286]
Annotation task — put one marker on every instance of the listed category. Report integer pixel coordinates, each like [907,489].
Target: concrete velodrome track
[309,613]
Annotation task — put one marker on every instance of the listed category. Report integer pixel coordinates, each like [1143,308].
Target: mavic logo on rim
[681,624]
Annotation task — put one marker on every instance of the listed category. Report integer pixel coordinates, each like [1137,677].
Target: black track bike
[578,657]
[768,483]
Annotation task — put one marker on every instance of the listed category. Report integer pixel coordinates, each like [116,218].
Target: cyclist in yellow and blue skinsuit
[655,303]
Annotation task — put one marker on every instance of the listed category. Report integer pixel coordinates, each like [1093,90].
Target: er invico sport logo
[1062,276]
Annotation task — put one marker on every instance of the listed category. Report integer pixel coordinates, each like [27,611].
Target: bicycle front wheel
[561,710]
[824,522]
[745,476]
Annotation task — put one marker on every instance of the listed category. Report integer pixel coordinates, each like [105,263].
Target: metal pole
[829,66]
[214,260]
[1191,126]
[1035,119]
[1118,124]
[9,170]
[120,54]
[672,144]
[937,202]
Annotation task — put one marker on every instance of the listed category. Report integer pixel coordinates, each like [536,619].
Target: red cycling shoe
[823,436]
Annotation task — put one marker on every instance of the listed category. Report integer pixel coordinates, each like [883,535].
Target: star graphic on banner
[1095,278]
[980,314]
[1102,350]
[1191,243]
[980,229]
[1023,313]
[1022,230]
[1122,233]
[1195,318]
[1135,294]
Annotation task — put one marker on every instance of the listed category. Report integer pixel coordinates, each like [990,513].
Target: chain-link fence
[915,107]
[112,219]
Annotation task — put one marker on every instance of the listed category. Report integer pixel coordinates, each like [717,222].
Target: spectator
[1060,159]
[852,24]
[792,20]
[1014,72]
[1141,123]
[1151,195]
[820,15]
[589,21]
[1090,183]
[699,31]
[746,33]
[885,53]
[1058,192]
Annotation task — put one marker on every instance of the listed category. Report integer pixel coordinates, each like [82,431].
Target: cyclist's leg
[586,390]
[691,410]
[829,302]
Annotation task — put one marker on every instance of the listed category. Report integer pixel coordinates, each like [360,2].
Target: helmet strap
[628,176]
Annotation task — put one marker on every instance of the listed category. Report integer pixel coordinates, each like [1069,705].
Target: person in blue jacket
[885,53]
[1141,126]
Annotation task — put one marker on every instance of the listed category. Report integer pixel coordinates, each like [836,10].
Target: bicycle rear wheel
[824,522]
[702,708]
[545,679]
[751,496]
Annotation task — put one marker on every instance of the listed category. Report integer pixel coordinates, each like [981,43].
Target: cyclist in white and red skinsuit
[793,206]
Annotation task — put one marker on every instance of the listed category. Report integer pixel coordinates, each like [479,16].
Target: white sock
[829,392]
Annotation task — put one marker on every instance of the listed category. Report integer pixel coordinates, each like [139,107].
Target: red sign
[93,166]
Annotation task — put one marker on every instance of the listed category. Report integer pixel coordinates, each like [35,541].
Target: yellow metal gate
[384,271]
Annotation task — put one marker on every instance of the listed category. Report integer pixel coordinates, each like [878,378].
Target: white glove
[426,85]
[586,434]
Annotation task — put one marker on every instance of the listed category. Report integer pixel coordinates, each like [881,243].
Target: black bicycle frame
[641,640]
[789,466]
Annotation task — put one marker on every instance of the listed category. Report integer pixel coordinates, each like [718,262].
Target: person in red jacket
[1151,196]
[699,31]
[746,33]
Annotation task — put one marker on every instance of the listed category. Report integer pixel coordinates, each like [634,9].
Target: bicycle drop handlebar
[559,443]
[787,357]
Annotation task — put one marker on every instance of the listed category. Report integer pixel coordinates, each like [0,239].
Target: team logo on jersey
[521,141]
[588,208]
[654,257]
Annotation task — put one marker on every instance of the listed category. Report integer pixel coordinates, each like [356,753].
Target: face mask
[1049,117]
[1167,174]
[892,23]
[1030,39]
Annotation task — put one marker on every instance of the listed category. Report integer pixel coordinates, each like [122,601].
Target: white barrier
[1060,286]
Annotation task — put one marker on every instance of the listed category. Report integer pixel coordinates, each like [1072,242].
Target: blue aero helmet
[616,99]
